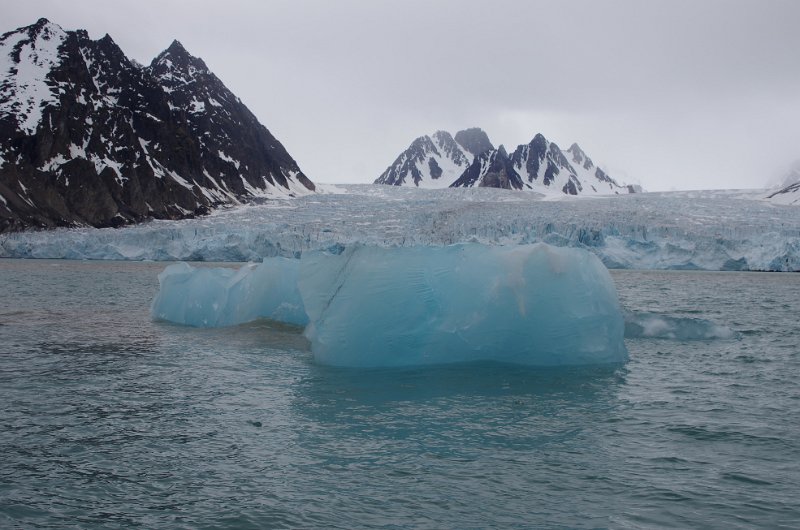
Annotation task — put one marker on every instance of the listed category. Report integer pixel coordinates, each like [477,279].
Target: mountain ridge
[90,137]
[539,165]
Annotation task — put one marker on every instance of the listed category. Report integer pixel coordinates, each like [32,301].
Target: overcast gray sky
[674,94]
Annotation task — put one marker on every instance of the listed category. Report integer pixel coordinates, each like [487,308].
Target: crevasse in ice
[375,306]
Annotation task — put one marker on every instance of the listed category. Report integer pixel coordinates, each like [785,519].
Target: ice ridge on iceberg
[370,306]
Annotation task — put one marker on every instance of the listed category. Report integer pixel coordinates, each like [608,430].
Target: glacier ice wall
[716,230]
[373,306]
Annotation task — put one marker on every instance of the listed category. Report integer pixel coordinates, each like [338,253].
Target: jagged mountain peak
[177,48]
[576,151]
[178,53]
[579,156]
[89,137]
[422,140]
[433,161]
[539,166]
[176,60]
[446,142]
[474,140]
[443,136]
[109,48]
[539,143]
[45,25]
[27,56]
[42,28]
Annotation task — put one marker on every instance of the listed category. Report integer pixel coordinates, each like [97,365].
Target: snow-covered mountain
[789,191]
[88,136]
[788,195]
[538,166]
[434,161]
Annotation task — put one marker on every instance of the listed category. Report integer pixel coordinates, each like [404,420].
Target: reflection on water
[378,388]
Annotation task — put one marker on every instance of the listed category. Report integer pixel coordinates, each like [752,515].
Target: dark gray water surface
[108,419]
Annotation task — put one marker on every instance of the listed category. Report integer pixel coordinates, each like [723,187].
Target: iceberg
[206,297]
[371,306]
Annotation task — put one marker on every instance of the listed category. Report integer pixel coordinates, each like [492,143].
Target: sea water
[108,419]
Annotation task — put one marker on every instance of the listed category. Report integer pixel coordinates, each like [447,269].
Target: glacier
[700,230]
[371,306]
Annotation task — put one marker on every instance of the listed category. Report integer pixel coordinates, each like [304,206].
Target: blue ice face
[373,306]
[205,297]
[531,304]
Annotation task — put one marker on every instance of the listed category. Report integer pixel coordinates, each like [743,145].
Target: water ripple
[110,420]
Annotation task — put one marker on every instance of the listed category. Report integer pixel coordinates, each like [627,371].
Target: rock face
[538,166]
[89,137]
[474,140]
[490,169]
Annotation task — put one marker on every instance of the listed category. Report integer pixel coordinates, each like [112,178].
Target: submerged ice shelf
[715,230]
[372,306]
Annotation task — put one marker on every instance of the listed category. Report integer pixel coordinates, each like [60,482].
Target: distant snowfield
[703,230]
[788,195]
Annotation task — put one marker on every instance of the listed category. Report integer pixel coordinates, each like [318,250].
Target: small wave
[741,477]
[657,326]
[721,434]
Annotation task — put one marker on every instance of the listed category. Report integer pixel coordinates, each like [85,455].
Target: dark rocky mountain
[474,140]
[89,137]
[538,166]
[491,169]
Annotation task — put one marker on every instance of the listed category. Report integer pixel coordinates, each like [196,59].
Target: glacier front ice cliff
[708,230]
[369,306]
